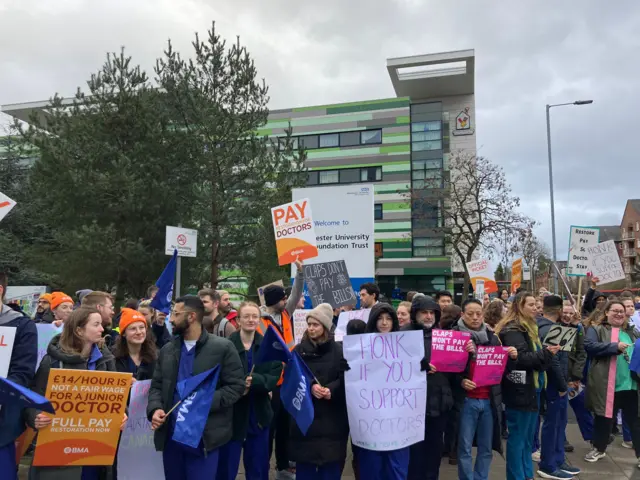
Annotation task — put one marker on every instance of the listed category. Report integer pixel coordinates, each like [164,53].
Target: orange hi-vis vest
[285,333]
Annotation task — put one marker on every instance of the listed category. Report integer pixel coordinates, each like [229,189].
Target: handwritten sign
[605,263]
[137,456]
[345,317]
[46,332]
[7,337]
[293,228]
[89,407]
[579,239]
[386,391]
[447,350]
[561,335]
[490,365]
[329,283]
[299,324]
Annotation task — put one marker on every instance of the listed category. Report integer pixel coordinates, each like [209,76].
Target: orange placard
[516,275]
[89,408]
[295,235]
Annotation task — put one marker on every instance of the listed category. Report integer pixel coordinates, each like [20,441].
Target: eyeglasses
[617,312]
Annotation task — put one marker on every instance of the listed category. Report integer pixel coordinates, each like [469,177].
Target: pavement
[619,464]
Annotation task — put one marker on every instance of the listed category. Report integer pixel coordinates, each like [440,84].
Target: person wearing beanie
[43,310]
[277,312]
[321,453]
[135,348]
[80,294]
[61,306]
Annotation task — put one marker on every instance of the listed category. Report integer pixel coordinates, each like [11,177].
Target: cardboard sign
[604,262]
[299,324]
[345,317]
[7,337]
[386,391]
[329,283]
[481,270]
[490,365]
[46,332]
[295,235]
[516,275]
[137,456]
[6,204]
[90,407]
[448,352]
[561,335]
[579,239]
[261,290]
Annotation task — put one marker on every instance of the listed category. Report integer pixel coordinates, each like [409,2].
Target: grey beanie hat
[324,314]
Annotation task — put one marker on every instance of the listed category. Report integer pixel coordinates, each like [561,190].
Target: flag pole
[173,408]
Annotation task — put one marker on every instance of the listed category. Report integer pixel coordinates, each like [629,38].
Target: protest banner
[46,331]
[604,262]
[89,407]
[137,456]
[481,270]
[261,290]
[561,335]
[293,228]
[6,204]
[299,324]
[490,365]
[516,275]
[7,337]
[448,352]
[345,317]
[329,283]
[579,239]
[385,389]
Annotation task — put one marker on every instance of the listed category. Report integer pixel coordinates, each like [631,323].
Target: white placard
[561,335]
[345,317]
[386,391]
[526,273]
[7,337]
[299,324]
[604,262]
[579,239]
[185,240]
[6,204]
[46,332]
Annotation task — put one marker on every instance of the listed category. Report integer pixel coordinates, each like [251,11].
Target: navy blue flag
[196,394]
[12,393]
[296,392]
[272,348]
[634,364]
[164,295]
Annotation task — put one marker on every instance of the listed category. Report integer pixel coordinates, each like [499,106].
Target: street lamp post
[553,213]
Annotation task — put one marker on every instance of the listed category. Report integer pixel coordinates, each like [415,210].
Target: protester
[215,321]
[552,451]
[410,295]
[193,351]
[504,295]
[301,302]
[494,312]
[320,454]
[602,352]
[539,307]
[356,327]
[43,309]
[151,292]
[76,348]
[61,306]
[103,302]
[523,382]
[449,316]
[156,322]
[225,307]
[369,295]
[403,312]
[278,312]
[135,348]
[480,417]
[425,456]
[80,294]
[252,414]
[22,366]
[444,299]
[486,300]
[593,299]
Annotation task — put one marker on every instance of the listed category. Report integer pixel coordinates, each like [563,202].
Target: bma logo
[184,408]
[364,189]
[300,394]
[463,123]
[69,450]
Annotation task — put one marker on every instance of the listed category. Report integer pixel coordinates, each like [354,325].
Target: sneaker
[626,444]
[570,469]
[594,455]
[285,475]
[535,456]
[568,448]
[557,475]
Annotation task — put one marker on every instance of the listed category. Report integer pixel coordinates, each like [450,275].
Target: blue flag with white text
[196,394]
[13,394]
[272,348]
[295,393]
[634,364]
[164,295]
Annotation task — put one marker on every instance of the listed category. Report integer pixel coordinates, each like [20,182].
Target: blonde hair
[247,304]
[406,305]
[94,299]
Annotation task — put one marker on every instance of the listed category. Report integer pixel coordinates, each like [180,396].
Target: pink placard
[611,383]
[490,365]
[447,350]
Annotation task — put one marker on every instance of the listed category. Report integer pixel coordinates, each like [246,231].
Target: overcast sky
[528,54]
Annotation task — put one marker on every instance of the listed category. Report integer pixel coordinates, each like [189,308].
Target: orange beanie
[129,316]
[58,298]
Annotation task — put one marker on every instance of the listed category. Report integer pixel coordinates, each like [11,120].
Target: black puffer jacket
[377,310]
[439,394]
[326,439]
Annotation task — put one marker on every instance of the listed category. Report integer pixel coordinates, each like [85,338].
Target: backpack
[223,323]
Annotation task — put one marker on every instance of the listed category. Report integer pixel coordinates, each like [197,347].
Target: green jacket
[264,380]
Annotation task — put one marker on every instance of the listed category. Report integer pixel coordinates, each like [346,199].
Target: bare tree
[534,252]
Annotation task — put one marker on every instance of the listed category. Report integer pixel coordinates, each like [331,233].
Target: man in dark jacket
[593,299]
[552,452]
[43,310]
[21,369]
[193,351]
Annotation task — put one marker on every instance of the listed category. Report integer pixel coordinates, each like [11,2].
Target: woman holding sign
[320,454]
[611,385]
[252,414]
[76,348]
[524,380]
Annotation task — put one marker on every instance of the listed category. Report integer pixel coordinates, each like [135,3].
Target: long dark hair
[148,350]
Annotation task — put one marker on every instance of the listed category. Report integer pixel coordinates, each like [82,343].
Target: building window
[426,146]
[425,214]
[377,212]
[329,176]
[378,246]
[433,126]
[428,247]
[371,174]
[350,175]
[309,142]
[349,139]
[329,140]
[427,173]
[369,137]
[312,179]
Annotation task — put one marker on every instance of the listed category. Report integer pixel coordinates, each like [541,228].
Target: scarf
[479,337]
[534,338]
